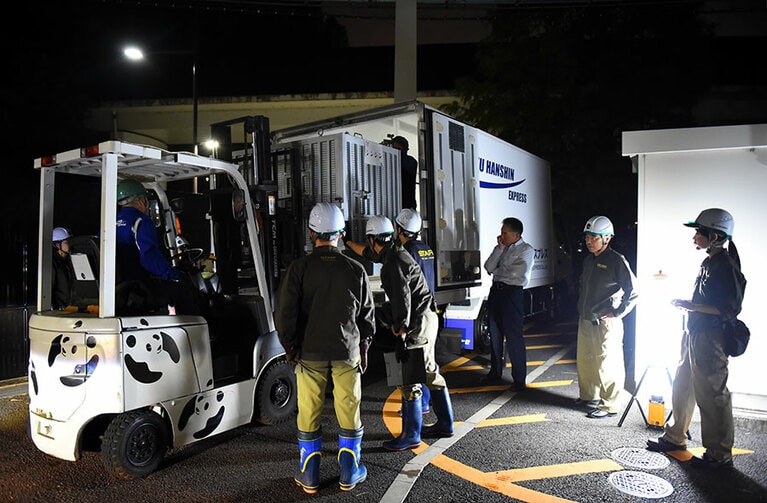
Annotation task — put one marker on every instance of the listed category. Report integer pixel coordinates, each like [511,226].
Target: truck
[468,182]
[115,375]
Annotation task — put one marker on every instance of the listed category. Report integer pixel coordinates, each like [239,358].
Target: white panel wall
[673,188]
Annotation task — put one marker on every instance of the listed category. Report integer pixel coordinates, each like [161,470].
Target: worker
[701,376]
[412,315]
[63,271]
[607,294]
[408,170]
[140,258]
[325,319]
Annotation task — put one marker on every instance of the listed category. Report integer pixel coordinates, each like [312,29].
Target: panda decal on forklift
[198,412]
[62,349]
[140,354]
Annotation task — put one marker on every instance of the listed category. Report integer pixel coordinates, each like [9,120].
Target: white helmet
[714,219]
[379,225]
[61,233]
[326,218]
[599,226]
[409,220]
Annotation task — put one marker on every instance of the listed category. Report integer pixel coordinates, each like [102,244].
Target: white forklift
[106,377]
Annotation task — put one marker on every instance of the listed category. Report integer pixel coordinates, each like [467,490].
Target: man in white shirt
[510,263]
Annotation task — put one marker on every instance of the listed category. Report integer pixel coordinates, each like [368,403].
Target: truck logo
[499,170]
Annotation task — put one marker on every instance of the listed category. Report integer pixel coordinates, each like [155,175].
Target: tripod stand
[636,391]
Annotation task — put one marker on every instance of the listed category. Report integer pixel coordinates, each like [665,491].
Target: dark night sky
[68,56]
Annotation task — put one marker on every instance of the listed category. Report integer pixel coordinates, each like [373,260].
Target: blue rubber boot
[443,409]
[425,401]
[412,420]
[310,447]
[353,471]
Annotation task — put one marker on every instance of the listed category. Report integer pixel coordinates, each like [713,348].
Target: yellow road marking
[547,346]
[532,363]
[559,470]
[456,363]
[685,456]
[543,334]
[502,387]
[503,482]
[504,421]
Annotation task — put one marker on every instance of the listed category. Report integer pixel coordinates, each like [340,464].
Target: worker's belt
[503,286]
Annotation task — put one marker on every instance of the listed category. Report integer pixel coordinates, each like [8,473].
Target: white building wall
[682,172]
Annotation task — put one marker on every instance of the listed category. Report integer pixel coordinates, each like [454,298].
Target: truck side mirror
[154,212]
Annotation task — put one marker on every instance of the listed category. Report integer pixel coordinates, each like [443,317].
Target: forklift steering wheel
[189,257]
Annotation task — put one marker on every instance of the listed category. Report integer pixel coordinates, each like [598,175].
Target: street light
[212,146]
[134,53]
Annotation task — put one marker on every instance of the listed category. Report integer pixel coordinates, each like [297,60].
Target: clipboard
[82,267]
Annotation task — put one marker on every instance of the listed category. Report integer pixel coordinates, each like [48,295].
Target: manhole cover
[643,485]
[640,458]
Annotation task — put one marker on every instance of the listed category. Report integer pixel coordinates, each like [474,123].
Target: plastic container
[656,412]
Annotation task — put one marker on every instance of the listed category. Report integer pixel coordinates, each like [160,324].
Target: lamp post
[134,53]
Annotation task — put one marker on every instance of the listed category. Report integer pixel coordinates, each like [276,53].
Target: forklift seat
[84,254]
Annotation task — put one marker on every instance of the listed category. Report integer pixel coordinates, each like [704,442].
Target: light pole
[134,53]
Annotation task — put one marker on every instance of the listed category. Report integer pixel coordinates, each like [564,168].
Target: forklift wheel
[134,444]
[276,394]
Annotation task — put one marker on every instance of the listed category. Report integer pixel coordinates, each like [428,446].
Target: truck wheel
[134,444]
[276,394]
[482,331]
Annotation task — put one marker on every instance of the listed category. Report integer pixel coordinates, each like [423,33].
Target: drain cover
[643,485]
[640,458]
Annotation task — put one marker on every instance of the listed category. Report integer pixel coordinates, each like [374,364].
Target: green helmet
[128,188]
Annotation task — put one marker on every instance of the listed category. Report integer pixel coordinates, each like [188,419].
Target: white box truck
[680,173]
[468,182]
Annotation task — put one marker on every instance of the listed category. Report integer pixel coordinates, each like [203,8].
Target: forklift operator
[140,259]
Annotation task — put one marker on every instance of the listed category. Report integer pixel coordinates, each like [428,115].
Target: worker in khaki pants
[607,294]
[702,373]
[325,319]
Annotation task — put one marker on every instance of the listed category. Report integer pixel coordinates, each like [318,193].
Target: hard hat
[61,233]
[410,220]
[379,225]
[715,219]
[128,188]
[326,218]
[599,226]
[402,141]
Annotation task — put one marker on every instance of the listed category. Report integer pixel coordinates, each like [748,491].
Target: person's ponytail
[732,250]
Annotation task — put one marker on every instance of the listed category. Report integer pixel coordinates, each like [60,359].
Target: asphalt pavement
[534,446]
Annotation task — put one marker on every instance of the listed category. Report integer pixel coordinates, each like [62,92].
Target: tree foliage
[564,83]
